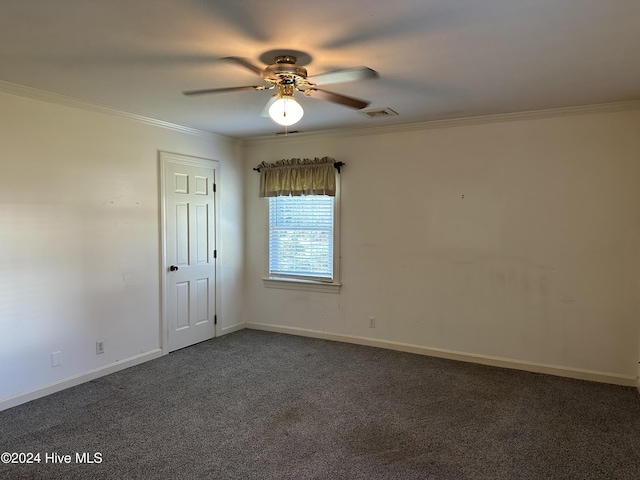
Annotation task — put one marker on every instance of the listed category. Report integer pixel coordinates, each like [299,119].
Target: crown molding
[45,96]
[460,122]
[49,97]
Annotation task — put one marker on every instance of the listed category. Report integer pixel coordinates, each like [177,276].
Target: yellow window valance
[296,176]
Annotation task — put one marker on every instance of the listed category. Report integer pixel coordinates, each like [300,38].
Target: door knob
[173,268]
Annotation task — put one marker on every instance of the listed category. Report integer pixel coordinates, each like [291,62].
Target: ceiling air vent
[380,113]
[284,134]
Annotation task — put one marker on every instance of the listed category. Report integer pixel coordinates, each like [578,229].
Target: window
[301,238]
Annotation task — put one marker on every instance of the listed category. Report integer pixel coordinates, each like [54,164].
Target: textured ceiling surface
[437,59]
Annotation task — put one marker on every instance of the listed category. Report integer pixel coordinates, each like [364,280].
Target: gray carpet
[258,405]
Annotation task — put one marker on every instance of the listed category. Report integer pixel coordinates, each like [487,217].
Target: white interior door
[189,263]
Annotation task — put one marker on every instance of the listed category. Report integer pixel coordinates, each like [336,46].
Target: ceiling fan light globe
[286,111]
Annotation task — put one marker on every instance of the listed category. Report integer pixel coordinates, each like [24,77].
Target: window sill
[305,285]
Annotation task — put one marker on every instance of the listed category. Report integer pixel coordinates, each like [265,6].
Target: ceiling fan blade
[345,75]
[337,98]
[246,64]
[425,17]
[222,90]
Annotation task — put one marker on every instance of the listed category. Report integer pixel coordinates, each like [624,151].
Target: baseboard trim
[232,328]
[24,397]
[580,374]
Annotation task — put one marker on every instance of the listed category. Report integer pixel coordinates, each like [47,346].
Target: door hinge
[215,254]
[215,319]
[214,188]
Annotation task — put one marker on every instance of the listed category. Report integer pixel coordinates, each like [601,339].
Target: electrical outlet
[372,322]
[99,347]
[55,359]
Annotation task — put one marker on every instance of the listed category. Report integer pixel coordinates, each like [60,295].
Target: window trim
[290,283]
[304,285]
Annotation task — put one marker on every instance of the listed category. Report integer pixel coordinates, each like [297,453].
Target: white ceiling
[437,59]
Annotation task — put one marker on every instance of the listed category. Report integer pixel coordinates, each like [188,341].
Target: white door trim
[163,159]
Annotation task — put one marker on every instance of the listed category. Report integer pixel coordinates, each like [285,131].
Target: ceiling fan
[288,76]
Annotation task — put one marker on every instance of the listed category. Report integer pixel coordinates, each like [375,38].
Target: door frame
[165,158]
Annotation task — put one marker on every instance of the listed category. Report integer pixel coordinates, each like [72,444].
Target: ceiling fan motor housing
[284,67]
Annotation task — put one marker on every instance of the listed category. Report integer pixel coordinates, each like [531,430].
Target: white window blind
[301,237]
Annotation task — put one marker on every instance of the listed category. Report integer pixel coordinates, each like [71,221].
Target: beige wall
[537,265]
[80,238]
